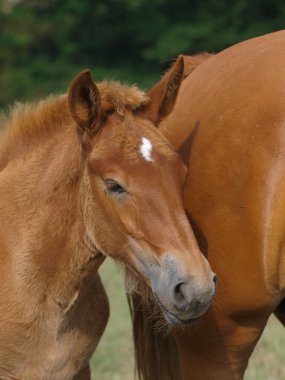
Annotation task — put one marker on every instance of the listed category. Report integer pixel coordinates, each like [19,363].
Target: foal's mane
[27,125]
[30,124]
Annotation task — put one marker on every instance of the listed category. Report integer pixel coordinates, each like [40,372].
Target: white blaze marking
[145,148]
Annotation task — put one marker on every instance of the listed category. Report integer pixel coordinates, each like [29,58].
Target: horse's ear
[163,94]
[85,103]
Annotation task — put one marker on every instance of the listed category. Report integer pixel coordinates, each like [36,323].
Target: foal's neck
[47,231]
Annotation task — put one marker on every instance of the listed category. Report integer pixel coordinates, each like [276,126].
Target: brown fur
[229,123]
[28,125]
[27,129]
[60,217]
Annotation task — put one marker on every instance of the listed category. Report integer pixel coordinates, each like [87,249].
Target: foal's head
[134,210]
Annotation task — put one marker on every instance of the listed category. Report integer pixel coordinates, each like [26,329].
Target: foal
[82,177]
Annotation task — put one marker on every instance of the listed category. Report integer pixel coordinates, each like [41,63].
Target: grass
[268,359]
[114,357]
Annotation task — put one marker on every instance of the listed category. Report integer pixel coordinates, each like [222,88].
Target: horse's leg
[97,308]
[218,347]
[85,374]
[280,312]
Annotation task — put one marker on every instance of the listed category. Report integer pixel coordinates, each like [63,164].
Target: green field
[114,358]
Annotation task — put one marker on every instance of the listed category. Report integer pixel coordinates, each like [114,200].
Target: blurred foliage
[44,43]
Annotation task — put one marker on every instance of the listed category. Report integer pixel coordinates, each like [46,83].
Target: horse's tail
[155,350]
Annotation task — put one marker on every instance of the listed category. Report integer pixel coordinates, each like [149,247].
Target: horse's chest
[49,366]
[64,341]
[56,361]
[58,354]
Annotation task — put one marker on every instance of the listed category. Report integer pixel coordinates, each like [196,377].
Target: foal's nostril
[178,292]
[215,279]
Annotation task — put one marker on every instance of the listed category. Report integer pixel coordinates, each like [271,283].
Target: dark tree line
[43,43]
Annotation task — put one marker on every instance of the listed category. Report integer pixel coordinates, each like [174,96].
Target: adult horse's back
[229,125]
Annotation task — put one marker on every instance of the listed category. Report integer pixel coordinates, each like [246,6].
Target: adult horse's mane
[154,347]
[27,125]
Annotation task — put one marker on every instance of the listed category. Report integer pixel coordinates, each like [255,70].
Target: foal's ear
[163,94]
[85,103]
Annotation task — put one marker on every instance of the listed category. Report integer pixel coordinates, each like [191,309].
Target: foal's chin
[177,320]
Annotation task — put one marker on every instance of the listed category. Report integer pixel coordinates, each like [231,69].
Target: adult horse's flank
[82,177]
[229,125]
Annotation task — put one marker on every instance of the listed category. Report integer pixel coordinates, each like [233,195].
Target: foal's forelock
[120,98]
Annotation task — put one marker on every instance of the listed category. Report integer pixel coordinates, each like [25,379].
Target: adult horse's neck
[43,238]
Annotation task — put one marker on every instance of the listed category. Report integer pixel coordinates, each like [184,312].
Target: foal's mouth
[174,319]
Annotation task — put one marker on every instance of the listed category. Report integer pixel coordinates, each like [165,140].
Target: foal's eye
[114,187]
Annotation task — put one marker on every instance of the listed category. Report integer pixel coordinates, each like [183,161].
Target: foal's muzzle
[182,299]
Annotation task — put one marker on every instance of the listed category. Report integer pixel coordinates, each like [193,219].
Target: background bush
[43,43]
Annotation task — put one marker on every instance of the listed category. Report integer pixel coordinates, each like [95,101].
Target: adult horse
[229,126]
[82,177]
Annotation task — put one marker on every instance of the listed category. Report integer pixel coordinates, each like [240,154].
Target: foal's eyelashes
[114,187]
